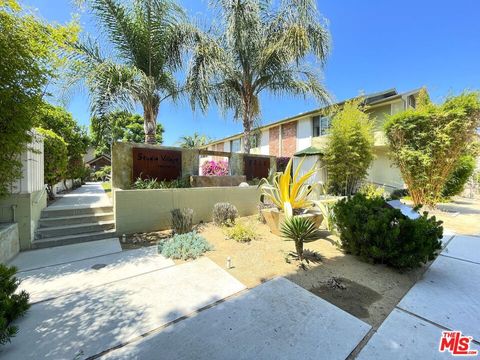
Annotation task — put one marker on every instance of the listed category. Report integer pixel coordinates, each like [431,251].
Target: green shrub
[372,191]
[55,158]
[142,184]
[378,233]
[398,194]
[12,305]
[184,246]
[241,232]
[426,142]
[459,177]
[224,214]
[182,220]
[350,148]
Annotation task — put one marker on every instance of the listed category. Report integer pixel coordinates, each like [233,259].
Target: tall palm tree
[148,38]
[193,141]
[260,47]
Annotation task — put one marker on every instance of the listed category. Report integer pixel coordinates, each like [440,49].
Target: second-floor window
[321,125]
[235,146]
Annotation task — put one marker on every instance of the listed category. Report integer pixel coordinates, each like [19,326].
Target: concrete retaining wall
[24,209]
[149,210]
[9,243]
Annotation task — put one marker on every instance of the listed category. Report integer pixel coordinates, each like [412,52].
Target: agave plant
[300,230]
[287,192]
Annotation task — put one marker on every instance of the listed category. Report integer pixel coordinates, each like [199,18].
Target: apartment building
[309,130]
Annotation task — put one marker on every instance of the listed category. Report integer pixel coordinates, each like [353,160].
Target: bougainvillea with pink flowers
[215,168]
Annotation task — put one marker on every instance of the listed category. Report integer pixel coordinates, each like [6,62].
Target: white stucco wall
[383,173]
[397,107]
[264,140]
[304,133]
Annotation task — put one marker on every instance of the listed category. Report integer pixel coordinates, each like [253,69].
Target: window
[321,125]
[411,101]
[235,146]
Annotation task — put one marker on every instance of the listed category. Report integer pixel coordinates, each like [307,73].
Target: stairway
[69,225]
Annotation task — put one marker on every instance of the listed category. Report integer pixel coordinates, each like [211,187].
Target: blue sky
[377,45]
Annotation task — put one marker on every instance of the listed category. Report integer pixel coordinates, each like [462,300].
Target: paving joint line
[460,259]
[100,285]
[164,326]
[68,262]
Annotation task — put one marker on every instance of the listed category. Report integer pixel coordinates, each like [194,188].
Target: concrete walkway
[144,305]
[446,298]
[89,195]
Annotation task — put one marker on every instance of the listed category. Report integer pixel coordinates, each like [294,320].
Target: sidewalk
[89,195]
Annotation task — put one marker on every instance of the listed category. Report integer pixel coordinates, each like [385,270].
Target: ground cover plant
[378,233]
[241,232]
[12,305]
[182,220]
[224,214]
[184,246]
[427,142]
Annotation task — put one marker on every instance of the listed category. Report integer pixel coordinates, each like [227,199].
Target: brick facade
[273,141]
[289,139]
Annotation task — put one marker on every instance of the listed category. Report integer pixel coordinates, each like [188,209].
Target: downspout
[14,213]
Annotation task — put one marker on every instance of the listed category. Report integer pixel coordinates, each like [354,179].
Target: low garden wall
[149,210]
[9,243]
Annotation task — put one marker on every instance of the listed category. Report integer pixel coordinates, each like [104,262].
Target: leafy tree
[148,37]
[260,47]
[119,126]
[55,158]
[193,141]
[427,142]
[29,55]
[350,148]
[458,178]
[61,122]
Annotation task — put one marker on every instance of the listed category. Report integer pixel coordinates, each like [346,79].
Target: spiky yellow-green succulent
[287,192]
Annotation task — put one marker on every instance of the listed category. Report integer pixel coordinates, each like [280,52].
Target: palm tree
[259,48]
[193,141]
[148,39]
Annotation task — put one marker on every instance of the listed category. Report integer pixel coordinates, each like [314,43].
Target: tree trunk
[299,249]
[247,125]
[150,123]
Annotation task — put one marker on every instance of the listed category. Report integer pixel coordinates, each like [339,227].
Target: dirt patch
[371,293]
[372,290]
[348,295]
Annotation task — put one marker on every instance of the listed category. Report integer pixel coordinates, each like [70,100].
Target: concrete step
[56,231]
[55,212]
[75,219]
[72,239]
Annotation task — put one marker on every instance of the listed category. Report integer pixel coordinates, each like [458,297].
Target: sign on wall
[156,164]
[256,167]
